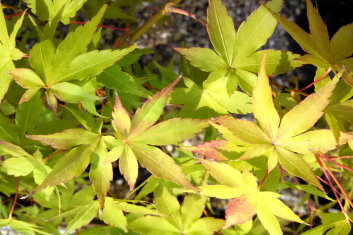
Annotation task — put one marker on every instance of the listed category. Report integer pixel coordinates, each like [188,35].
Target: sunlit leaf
[221,30]
[113,215]
[71,165]
[67,139]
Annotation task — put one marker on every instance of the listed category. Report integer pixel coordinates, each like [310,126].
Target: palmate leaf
[202,103]
[248,200]
[267,137]
[236,52]
[176,218]
[139,134]
[323,53]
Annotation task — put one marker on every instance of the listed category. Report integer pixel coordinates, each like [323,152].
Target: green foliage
[77,115]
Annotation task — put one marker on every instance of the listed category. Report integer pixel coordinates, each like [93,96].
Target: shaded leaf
[92,63]
[203,58]
[297,166]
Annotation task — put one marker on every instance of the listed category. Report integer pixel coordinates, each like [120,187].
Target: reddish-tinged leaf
[209,149]
[149,113]
[238,211]
[160,164]
[171,131]
[203,58]
[121,119]
[67,139]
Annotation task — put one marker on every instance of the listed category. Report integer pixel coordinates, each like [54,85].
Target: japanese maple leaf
[55,68]
[176,218]
[138,136]
[235,58]
[135,142]
[322,52]
[282,140]
[248,200]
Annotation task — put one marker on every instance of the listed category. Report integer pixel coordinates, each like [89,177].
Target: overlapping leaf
[236,51]
[283,140]
[54,69]
[248,200]
[177,218]
[323,52]
[8,51]
[139,133]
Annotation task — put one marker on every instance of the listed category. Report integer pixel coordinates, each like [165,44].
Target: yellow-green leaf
[67,139]
[264,110]
[307,113]
[171,131]
[71,165]
[112,214]
[341,44]
[244,130]
[221,30]
[296,165]
[168,205]
[149,113]
[318,30]
[160,164]
[203,58]
[255,30]
[27,78]
[128,166]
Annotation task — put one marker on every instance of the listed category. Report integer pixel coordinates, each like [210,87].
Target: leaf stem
[15,199]
[151,21]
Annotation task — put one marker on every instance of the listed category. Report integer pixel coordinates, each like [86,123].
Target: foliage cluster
[71,117]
